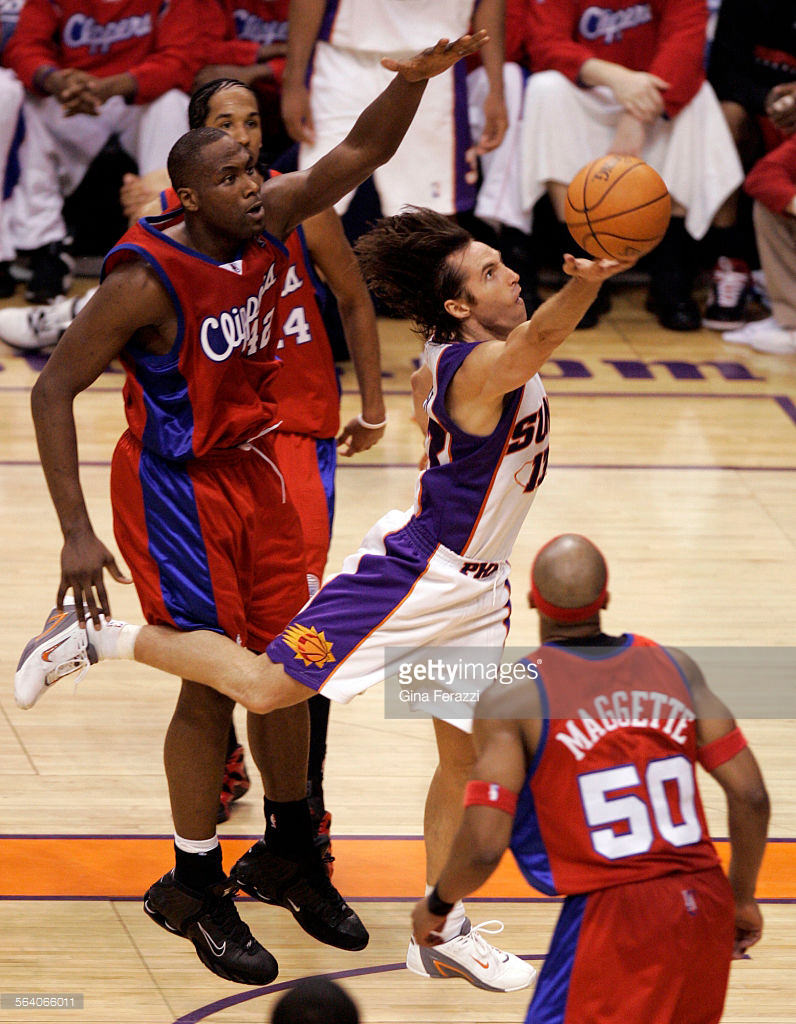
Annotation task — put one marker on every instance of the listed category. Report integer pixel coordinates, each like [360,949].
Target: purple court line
[359,899]
[203,1012]
[246,835]
[93,464]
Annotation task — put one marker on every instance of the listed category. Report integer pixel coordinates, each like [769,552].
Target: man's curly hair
[405,261]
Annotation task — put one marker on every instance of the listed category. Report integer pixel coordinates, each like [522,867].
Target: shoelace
[478,931]
[316,892]
[223,913]
[730,286]
[79,662]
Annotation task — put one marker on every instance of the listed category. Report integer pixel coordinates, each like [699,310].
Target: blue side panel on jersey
[326,452]
[549,1003]
[526,838]
[169,421]
[464,191]
[176,543]
[328,19]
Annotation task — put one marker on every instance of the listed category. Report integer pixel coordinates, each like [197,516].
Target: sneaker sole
[723,325]
[439,963]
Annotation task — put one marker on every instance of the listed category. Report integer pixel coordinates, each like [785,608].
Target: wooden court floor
[675,453]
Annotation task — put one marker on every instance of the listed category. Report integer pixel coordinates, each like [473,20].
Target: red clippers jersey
[611,795]
[306,389]
[213,389]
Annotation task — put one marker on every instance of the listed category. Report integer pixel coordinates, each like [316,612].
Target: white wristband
[371,426]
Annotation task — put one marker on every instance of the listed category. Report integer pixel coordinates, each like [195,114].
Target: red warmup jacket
[236,29]
[158,43]
[772,180]
[664,37]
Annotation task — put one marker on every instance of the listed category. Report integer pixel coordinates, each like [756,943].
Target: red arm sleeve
[177,55]
[551,27]
[679,58]
[32,44]
[772,180]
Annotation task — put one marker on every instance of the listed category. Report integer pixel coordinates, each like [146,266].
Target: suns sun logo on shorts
[311,646]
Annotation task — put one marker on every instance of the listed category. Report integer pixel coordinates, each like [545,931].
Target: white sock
[454,921]
[115,641]
[195,845]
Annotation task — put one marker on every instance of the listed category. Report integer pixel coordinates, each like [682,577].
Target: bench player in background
[591,782]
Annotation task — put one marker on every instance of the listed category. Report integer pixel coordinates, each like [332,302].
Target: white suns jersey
[476,491]
[394,26]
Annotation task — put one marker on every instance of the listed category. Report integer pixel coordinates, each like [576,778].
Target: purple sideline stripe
[253,838]
[11,463]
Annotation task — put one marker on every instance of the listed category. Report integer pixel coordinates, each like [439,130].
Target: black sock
[288,829]
[232,741]
[198,871]
[319,725]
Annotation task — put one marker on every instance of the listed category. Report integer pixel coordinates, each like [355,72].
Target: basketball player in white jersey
[333,66]
[433,575]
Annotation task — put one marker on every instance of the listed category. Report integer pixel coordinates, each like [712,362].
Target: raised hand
[436,59]
[593,270]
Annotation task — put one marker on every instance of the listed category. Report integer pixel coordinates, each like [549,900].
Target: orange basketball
[617,207]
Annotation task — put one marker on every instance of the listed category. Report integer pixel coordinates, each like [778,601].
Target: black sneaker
[670,299]
[211,922]
[7,283]
[303,888]
[51,274]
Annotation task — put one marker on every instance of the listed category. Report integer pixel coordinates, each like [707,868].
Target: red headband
[568,614]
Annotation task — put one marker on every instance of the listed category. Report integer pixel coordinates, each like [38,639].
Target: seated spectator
[752,68]
[91,71]
[628,78]
[772,184]
[245,40]
[11,93]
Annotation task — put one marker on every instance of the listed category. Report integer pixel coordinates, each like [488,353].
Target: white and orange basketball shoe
[468,955]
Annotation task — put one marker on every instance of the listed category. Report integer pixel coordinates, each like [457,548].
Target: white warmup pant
[565,127]
[428,167]
[500,194]
[11,95]
[58,150]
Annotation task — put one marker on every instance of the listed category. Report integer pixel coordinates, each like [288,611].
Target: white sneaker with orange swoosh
[468,955]
[60,649]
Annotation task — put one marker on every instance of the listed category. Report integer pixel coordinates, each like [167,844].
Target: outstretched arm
[335,259]
[292,198]
[496,368]
[129,299]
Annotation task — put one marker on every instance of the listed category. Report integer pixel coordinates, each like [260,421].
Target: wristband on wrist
[437,906]
[370,426]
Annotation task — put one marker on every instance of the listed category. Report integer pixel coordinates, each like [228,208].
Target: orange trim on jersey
[380,624]
[494,474]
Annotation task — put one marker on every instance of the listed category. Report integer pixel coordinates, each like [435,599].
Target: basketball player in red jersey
[306,390]
[200,508]
[591,782]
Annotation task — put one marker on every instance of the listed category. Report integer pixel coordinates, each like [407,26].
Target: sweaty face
[228,190]
[234,110]
[497,305]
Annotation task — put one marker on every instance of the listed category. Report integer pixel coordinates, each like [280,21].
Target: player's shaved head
[185,164]
[569,572]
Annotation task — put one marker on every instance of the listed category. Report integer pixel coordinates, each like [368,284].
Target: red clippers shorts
[655,952]
[308,465]
[210,543]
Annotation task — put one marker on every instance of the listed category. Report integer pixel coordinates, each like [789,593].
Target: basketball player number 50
[669,810]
